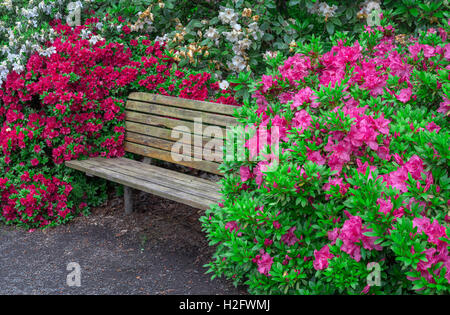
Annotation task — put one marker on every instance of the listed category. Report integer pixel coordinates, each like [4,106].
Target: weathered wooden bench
[150,119]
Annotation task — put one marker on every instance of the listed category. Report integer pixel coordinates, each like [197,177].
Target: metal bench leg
[128,199]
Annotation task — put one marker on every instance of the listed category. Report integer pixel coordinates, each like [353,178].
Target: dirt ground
[159,249]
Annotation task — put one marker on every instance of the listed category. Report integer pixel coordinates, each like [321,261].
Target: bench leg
[128,199]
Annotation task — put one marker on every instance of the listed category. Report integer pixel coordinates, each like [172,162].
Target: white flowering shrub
[227,37]
[25,28]
[233,39]
[25,25]
[351,15]
[233,36]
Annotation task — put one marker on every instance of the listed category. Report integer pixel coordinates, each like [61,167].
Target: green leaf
[414,12]
[330,28]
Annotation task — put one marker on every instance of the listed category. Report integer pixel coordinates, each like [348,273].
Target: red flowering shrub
[360,187]
[70,105]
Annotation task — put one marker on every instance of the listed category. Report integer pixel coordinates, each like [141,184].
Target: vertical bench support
[128,192]
[128,199]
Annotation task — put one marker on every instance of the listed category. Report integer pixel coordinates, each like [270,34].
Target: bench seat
[193,191]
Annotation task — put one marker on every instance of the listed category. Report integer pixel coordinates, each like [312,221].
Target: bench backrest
[155,123]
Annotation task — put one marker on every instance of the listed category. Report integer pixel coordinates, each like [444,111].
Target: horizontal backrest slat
[170,123]
[163,133]
[159,154]
[151,120]
[215,108]
[181,113]
[214,154]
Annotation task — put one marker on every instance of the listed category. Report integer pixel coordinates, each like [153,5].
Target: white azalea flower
[18,67]
[326,10]
[237,27]
[212,33]
[270,54]
[245,43]
[162,39]
[223,85]
[227,15]
[233,36]
[237,63]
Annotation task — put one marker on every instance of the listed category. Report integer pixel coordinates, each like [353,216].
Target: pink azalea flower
[245,173]
[302,120]
[383,153]
[352,233]
[434,232]
[421,224]
[267,82]
[278,130]
[258,172]
[333,235]
[276,225]
[305,95]
[405,95]
[415,167]
[342,151]
[366,289]
[321,258]
[398,178]
[316,157]
[295,68]
[362,168]
[415,49]
[447,51]
[382,124]
[285,97]
[385,205]
[444,107]
[260,139]
[428,51]
[433,127]
[232,226]
[289,238]
[265,264]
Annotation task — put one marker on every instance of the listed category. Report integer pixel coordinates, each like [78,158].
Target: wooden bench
[150,119]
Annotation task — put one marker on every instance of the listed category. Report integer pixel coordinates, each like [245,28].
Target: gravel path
[160,249]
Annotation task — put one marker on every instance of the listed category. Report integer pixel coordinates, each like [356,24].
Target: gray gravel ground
[160,249]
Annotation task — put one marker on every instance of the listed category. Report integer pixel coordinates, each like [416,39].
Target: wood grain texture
[170,123]
[150,123]
[181,113]
[183,103]
[197,149]
[180,159]
[187,192]
[128,199]
[155,169]
[158,175]
[144,130]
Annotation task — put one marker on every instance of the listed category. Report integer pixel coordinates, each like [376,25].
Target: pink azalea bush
[361,176]
[70,105]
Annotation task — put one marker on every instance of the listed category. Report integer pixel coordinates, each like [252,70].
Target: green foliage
[361,184]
